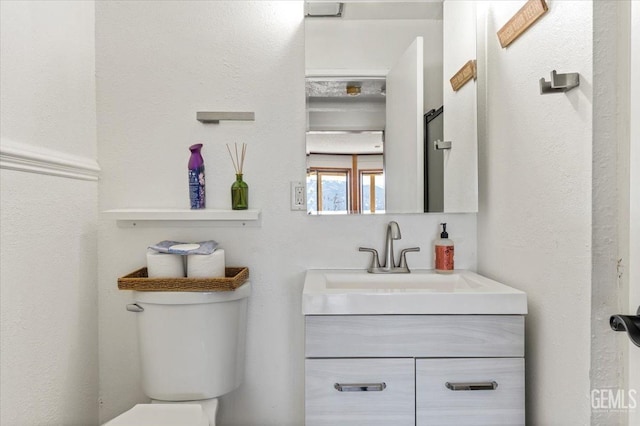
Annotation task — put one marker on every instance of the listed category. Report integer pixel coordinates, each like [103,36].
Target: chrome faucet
[389,266]
[393,233]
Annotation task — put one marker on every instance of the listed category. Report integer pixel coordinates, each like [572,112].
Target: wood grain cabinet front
[414,370]
[356,391]
[428,336]
[470,392]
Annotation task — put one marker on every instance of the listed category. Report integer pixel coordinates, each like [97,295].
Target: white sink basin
[357,292]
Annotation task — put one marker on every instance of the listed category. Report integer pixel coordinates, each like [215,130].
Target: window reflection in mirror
[328,190]
[372,190]
[341,166]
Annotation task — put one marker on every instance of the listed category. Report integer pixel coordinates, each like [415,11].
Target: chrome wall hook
[559,82]
[439,145]
[216,117]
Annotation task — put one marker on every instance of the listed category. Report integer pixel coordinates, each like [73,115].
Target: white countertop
[421,292]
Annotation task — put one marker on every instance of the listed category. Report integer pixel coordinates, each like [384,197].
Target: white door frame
[633,378]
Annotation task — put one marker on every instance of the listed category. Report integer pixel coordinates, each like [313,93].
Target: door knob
[628,323]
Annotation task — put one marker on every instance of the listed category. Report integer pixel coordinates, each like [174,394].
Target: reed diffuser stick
[238,161]
[232,161]
[244,152]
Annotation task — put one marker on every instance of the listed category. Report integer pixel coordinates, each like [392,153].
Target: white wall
[460,109]
[48,299]
[48,82]
[157,64]
[534,220]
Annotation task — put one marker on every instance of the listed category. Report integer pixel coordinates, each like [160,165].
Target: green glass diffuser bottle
[239,194]
[239,189]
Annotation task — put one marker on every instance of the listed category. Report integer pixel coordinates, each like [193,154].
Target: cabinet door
[359,392]
[468,391]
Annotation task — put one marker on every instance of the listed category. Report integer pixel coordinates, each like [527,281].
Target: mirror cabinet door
[378,97]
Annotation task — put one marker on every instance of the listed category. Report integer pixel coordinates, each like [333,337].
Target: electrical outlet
[298,201]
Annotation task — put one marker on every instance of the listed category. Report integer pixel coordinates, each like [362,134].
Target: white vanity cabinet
[414,370]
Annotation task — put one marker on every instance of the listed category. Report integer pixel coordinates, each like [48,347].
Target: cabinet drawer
[373,392]
[414,336]
[440,404]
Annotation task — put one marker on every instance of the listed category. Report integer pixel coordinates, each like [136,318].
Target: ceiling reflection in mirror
[375,77]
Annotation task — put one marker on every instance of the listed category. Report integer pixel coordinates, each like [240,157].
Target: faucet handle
[375,261]
[403,256]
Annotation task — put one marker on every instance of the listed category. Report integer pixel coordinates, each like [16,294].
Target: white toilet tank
[192,344]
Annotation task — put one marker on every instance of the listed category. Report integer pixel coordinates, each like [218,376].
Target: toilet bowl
[192,349]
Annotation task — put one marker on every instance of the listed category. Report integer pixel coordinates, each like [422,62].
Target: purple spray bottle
[196,177]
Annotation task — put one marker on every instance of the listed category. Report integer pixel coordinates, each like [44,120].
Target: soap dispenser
[444,252]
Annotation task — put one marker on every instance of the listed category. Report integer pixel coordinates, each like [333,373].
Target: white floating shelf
[139,215]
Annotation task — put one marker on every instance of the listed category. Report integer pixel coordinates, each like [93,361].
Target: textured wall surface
[157,64]
[48,301]
[48,82]
[610,204]
[48,290]
[534,223]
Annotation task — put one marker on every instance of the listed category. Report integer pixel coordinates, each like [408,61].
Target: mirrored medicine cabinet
[386,132]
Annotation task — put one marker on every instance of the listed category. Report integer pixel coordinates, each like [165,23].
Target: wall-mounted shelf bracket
[439,145]
[216,117]
[559,82]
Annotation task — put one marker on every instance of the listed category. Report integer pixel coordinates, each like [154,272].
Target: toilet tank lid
[192,297]
[162,415]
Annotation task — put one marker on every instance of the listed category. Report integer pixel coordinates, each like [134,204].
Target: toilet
[192,350]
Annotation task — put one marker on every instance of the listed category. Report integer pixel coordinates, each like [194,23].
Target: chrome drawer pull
[471,386]
[360,387]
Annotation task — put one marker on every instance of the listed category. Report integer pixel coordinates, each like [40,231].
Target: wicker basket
[139,281]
